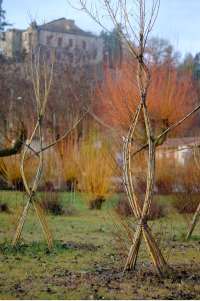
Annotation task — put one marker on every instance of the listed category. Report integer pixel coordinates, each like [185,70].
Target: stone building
[70,43]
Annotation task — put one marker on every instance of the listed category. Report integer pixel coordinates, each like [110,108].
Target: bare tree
[143,81]
[197,212]
[144,21]
[41,75]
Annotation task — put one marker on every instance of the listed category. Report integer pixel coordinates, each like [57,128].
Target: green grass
[84,264]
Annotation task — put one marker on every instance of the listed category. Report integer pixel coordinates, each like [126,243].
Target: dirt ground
[87,271]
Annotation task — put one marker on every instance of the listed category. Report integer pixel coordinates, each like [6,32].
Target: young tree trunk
[193,222]
[36,74]
[142,214]
[197,212]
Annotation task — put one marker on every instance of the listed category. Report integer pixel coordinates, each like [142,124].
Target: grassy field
[84,263]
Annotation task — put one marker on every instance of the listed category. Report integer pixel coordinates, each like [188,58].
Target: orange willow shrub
[170,95]
[95,170]
[52,167]
[69,154]
[10,170]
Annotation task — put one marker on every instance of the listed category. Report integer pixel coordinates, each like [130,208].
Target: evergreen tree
[197,65]
[3,23]
[112,45]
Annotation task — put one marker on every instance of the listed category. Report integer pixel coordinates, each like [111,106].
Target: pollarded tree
[171,94]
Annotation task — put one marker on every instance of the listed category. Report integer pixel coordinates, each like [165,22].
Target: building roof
[60,19]
[17,30]
[59,25]
[73,29]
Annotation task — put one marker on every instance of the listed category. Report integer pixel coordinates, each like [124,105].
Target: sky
[178,20]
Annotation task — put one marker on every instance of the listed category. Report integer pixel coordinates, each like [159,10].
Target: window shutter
[48,40]
[58,55]
[30,37]
[59,41]
[84,44]
[70,43]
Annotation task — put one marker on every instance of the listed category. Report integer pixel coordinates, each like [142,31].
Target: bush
[156,211]
[97,203]
[186,181]
[4,207]
[10,171]
[69,153]
[95,170]
[51,202]
[185,202]
[123,208]
[70,185]
[49,186]
[162,187]
[164,180]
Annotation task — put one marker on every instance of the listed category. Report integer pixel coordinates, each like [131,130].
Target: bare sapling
[33,64]
[145,20]
[197,212]
[143,81]
[41,76]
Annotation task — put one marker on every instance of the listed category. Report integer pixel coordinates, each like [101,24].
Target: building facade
[178,150]
[62,36]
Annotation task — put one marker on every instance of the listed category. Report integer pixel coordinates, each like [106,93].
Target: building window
[48,40]
[84,59]
[95,54]
[70,42]
[58,55]
[59,41]
[71,57]
[30,37]
[25,36]
[84,44]
[48,54]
